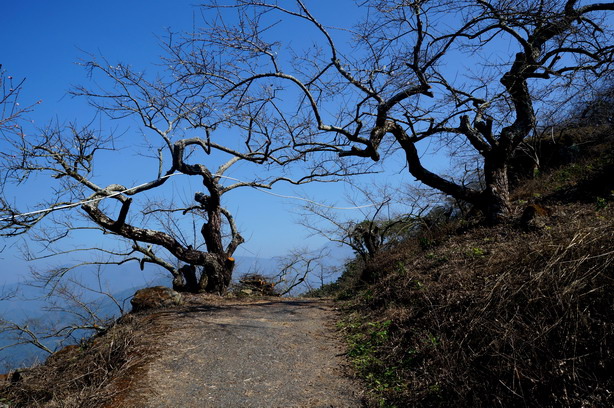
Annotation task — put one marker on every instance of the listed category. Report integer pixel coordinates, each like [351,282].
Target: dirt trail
[279,353]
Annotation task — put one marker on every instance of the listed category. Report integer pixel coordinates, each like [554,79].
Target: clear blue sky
[42,41]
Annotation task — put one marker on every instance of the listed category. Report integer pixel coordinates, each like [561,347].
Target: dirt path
[258,354]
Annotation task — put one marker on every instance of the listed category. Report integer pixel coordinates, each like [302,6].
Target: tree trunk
[212,231]
[495,200]
[216,277]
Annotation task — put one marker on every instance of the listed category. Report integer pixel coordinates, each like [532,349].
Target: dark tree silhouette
[186,125]
[390,82]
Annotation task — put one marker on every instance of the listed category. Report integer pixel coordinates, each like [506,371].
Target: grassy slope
[466,315]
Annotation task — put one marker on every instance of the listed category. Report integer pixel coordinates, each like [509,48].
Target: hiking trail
[260,353]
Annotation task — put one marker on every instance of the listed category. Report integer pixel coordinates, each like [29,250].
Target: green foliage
[365,340]
[368,343]
[426,243]
[367,295]
[438,259]
[327,290]
[476,252]
[345,287]
[601,203]
[570,173]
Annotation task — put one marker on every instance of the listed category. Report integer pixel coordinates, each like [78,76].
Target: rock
[155,298]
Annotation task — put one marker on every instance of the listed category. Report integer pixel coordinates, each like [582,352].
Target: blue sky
[43,41]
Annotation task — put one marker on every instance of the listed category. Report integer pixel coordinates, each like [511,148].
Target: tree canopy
[466,75]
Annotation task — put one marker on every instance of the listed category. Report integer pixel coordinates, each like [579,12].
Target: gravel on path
[262,354]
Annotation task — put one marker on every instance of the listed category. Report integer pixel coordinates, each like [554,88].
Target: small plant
[432,340]
[365,340]
[476,252]
[438,259]
[601,203]
[367,295]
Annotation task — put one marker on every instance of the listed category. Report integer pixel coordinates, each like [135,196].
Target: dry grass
[465,315]
[583,177]
[80,376]
[500,317]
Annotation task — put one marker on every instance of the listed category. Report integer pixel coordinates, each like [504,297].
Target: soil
[257,353]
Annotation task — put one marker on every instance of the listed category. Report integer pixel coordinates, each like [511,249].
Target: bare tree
[11,113]
[189,130]
[383,220]
[235,93]
[71,310]
[597,107]
[10,109]
[302,270]
[390,82]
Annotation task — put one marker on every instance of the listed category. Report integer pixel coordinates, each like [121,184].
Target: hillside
[459,314]
[520,314]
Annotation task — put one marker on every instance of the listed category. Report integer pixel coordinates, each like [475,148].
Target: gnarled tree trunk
[495,199]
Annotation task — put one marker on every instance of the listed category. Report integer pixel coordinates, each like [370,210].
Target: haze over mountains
[29,303]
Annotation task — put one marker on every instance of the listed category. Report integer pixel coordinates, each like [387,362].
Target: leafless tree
[383,219]
[302,270]
[189,130]
[72,310]
[11,114]
[464,75]
[235,91]
[597,107]
[10,109]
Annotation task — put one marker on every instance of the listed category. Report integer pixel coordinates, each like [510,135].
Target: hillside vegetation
[519,314]
[458,315]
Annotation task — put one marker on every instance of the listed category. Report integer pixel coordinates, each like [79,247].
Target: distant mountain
[252,264]
[122,281]
[29,303]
